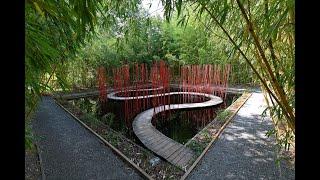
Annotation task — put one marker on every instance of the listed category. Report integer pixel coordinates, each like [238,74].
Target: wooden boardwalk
[174,152]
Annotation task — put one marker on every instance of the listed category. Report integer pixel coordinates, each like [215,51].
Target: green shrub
[222,116]
[108,118]
[197,147]
[29,137]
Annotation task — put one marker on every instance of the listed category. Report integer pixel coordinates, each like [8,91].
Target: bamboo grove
[67,41]
[264,38]
[54,31]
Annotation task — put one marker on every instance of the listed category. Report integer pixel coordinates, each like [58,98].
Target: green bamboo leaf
[223,17]
[291,3]
[181,21]
[38,8]
[62,82]
[275,26]
[224,12]
[178,6]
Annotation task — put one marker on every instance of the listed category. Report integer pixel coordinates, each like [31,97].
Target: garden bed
[32,165]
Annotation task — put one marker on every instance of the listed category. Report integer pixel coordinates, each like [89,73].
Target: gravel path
[242,150]
[71,152]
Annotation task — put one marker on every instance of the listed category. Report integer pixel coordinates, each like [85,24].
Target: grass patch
[222,116]
[88,118]
[197,147]
[108,118]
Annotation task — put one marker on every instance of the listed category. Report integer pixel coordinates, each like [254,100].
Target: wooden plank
[145,133]
[176,153]
[155,146]
[161,136]
[190,162]
[156,139]
[181,154]
[165,147]
[185,159]
[154,142]
[164,150]
[140,128]
[171,150]
[146,139]
[161,145]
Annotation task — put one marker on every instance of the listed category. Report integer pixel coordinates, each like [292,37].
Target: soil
[32,165]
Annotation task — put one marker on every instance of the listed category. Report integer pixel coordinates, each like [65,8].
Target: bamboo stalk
[248,61]
[273,81]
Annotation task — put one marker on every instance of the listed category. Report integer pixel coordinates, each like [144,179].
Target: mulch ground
[32,165]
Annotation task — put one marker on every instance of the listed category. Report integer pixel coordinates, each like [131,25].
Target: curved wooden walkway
[174,152]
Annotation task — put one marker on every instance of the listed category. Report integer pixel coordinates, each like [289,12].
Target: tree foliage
[66,42]
[264,38]
[54,30]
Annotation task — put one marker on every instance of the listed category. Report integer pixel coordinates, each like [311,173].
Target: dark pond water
[180,125]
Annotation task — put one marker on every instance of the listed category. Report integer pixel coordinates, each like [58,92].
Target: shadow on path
[243,151]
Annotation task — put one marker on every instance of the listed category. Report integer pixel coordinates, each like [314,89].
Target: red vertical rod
[184,84]
[107,84]
[180,83]
[188,83]
[153,81]
[210,78]
[143,82]
[222,81]
[162,80]
[136,84]
[132,87]
[125,72]
[147,93]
